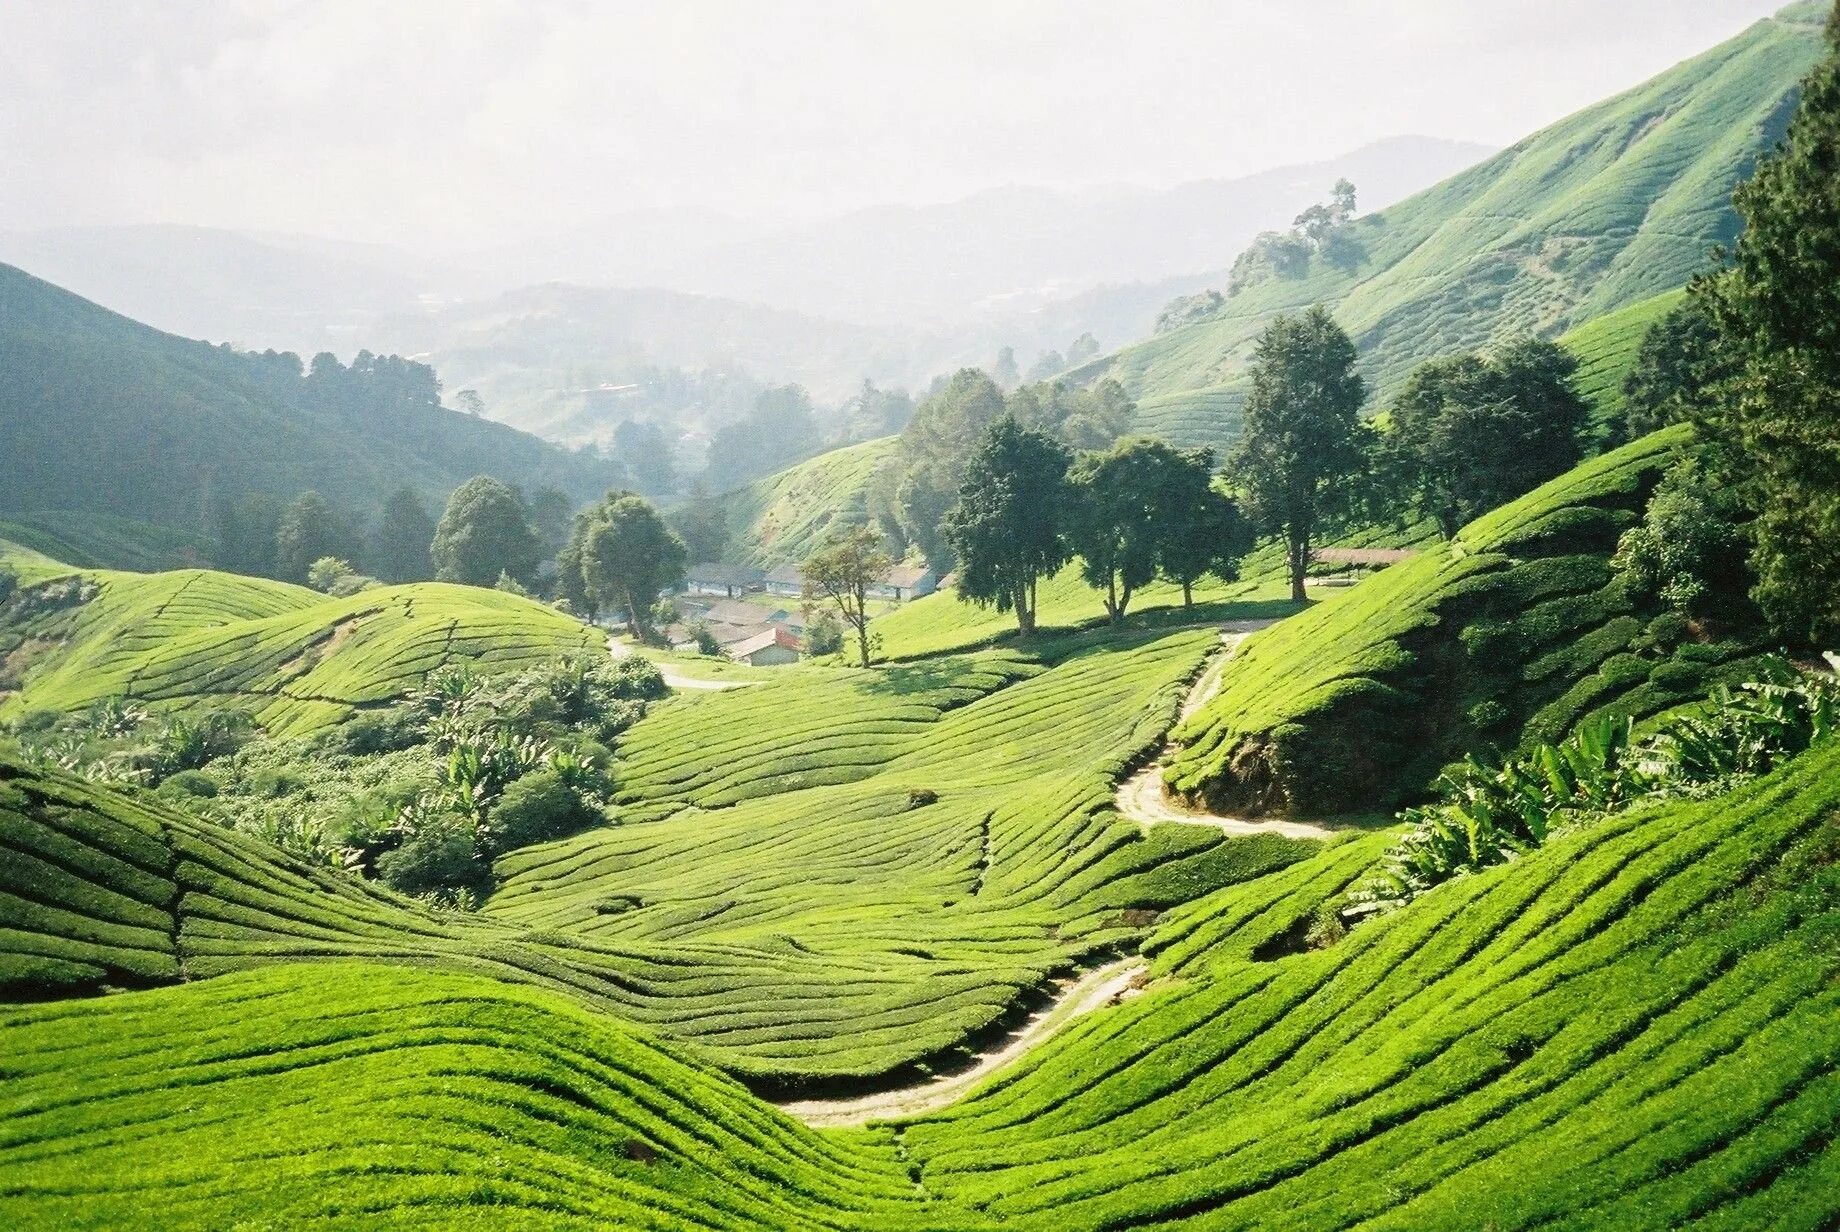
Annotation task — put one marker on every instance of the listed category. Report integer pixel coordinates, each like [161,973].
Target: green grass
[1635,1027]
[101,541]
[1605,209]
[784,517]
[295,658]
[1517,632]
[1606,351]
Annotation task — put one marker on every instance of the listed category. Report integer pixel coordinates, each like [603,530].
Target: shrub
[436,858]
[327,572]
[35,722]
[378,731]
[536,808]
[190,784]
[824,635]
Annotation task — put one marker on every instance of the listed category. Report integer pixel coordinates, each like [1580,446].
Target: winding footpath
[1142,798]
[672,677]
[1099,987]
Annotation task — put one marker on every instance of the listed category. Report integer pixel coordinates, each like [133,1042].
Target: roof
[790,575]
[739,612]
[1361,556]
[714,572]
[775,636]
[907,576]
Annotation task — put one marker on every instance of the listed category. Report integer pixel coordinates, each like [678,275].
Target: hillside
[296,659]
[1431,1070]
[102,415]
[1608,207]
[1516,631]
[783,517]
[1606,350]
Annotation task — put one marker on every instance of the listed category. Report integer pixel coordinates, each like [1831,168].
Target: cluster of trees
[782,429]
[1129,514]
[487,531]
[621,556]
[912,497]
[1323,231]
[1752,358]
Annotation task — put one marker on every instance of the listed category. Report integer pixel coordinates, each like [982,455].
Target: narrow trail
[1098,987]
[672,677]
[1141,797]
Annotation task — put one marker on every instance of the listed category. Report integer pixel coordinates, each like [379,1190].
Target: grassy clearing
[295,658]
[1516,632]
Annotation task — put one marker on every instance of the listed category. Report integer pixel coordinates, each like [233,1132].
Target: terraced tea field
[1517,631]
[1634,1027]
[296,658]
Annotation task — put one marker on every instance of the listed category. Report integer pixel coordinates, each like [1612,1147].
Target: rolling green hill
[106,418]
[1606,208]
[295,658]
[784,517]
[1635,1027]
[1518,630]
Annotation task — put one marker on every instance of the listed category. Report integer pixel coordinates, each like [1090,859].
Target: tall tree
[550,511]
[1115,522]
[484,532]
[1777,309]
[702,523]
[1007,528]
[1301,447]
[781,429]
[1677,366]
[936,446]
[1204,531]
[399,546]
[841,574]
[1471,432]
[629,557]
[309,529]
[643,449]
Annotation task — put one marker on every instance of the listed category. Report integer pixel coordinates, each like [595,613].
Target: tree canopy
[841,573]
[1471,432]
[625,556]
[1302,451]
[1006,528]
[309,529]
[484,532]
[400,542]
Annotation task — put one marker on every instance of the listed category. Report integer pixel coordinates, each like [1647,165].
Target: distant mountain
[1601,210]
[1009,249]
[101,414]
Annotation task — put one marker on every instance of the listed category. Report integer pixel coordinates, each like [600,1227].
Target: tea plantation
[1515,632]
[296,658]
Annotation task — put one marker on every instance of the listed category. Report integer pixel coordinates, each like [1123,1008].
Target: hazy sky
[472,120]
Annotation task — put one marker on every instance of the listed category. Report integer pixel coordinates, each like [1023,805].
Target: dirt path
[1098,987]
[1141,797]
[672,677]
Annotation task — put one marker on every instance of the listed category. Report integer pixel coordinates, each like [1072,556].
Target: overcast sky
[468,121]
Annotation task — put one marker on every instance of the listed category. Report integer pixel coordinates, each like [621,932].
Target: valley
[1358,748]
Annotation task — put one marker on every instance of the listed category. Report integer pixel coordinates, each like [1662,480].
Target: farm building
[729,581]
[906,582]
[769,648]
[786,580]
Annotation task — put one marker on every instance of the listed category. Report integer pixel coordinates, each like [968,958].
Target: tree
[1301,446]
[645,451]
[628,556]
[935,447]
[467,400]
[877,412]
[399,546]
[309,529]
[1678,363]
[841,572]
[702,523]
[328,572]
[484,532]
[549,513]
[1204,531]
[782,429]
[1777,310]
[1115,518]
[1473,432]
[1005,372]
[1007,528]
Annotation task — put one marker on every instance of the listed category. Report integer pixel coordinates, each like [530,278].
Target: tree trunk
[1300,564]
[1025,614]
[632,619]
[1188,594]
[862,642]
[1114,612]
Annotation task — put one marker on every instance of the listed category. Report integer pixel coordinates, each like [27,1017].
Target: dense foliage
[484,532]
[1006,529]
